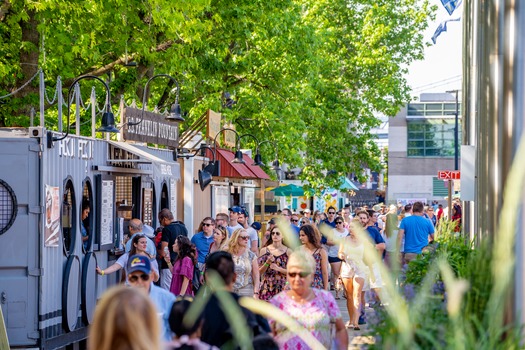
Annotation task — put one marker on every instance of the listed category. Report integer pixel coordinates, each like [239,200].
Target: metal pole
[42,91]
[450,184]
[456,136]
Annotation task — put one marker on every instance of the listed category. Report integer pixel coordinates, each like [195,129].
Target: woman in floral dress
[314,309]
[310,237]
[273,258]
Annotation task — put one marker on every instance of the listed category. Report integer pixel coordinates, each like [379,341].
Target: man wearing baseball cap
[307,215]
[234,216]
[140,276]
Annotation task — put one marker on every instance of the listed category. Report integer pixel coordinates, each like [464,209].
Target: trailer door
[19,241]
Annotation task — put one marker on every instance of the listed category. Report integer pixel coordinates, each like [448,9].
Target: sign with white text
[449,175]
[153,128]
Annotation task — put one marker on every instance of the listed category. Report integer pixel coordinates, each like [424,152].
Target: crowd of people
[333,254]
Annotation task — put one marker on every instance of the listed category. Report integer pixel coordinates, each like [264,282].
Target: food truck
[49,245]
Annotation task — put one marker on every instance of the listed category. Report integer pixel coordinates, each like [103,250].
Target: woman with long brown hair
[246,267]
[273,258]
[310,237]
[182,269]
[139,245]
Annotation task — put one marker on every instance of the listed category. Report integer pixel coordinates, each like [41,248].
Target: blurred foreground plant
[458,291]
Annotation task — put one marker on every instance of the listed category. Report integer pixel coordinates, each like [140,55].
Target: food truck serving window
[8,207]
[68,219]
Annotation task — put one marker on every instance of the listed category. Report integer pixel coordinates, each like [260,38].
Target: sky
[441,68]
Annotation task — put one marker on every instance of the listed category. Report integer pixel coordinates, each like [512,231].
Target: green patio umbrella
[288,190]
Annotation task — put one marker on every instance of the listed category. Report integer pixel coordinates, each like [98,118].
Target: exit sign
[449,175]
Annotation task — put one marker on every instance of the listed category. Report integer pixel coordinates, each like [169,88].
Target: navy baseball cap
[256,226]
[139,263]
[236,209]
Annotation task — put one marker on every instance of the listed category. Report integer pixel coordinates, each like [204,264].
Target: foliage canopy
[308,75]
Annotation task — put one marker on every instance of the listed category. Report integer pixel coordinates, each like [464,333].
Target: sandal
[357,328]
[349,325]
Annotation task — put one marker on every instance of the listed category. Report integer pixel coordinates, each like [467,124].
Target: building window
[432,109]
[431,138]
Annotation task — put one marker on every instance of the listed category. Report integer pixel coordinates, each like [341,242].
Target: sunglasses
[339,222]
[300,274]
[244,237]
[135,278]
[205,224]
[331,212]
[276,233]
[294,220]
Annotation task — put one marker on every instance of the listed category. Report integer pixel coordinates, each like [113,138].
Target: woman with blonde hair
[315,309]
[247,282]
[354,272]
[220,242]
[119,315]
[220,239]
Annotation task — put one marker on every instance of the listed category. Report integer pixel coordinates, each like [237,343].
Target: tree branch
[4,9]
[103,70]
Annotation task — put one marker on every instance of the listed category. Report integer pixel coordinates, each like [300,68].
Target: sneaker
[361,319]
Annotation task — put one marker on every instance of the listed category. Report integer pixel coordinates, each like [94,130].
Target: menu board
[106,213]
[147,206]
[173,197]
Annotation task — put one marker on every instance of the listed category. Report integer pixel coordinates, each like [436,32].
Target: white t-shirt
[232,229]
[253,234]
[333,250]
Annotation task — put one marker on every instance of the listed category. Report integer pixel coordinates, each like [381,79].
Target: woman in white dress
[354,273]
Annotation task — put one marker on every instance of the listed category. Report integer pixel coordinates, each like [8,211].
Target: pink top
[317,316]
[182,268]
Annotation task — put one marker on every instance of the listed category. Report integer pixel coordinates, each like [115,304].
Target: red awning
[257,170]
[237,170]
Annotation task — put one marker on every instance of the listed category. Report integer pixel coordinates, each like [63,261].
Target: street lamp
[175,114]
[205,175]
[108,119]
[238,154]
[258,159]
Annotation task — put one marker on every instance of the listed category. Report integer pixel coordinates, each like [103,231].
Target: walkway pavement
[357,339]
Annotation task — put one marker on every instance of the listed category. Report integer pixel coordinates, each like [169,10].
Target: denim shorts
[333,259]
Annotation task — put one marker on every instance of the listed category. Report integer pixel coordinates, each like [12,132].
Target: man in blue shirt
[417,231]
[203,240]
[330,221]
[140,276]
[379,243]
[286,214]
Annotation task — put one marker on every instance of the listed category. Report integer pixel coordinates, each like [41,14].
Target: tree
[308,75]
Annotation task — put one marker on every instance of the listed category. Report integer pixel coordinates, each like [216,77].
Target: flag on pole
[442,27]
[451,5]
